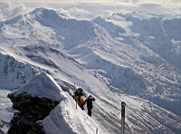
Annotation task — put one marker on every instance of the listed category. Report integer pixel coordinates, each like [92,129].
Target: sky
[162,2]
[103,1]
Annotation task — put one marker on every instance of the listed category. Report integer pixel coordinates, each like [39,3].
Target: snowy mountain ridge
[115,58]
[47,88]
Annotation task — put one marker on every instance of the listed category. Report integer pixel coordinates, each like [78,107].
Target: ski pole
[76,102]
[97,130]
[123,104]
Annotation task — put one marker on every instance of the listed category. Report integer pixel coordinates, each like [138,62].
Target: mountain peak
[43,85]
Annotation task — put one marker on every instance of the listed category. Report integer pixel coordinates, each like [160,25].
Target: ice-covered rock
[34,101]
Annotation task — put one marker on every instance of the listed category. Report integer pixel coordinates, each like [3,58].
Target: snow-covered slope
[65,118]
[6,113]
[9,10]
[14,73]
[110,57]
[42,86]
[106,111]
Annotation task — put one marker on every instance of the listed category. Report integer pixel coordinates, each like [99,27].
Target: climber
[80,97]
[89,101]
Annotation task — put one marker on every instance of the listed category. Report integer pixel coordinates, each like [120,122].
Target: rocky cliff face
[33,105]
[30,111]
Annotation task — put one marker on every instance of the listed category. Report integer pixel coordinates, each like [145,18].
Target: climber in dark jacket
[80,97]
[89,101]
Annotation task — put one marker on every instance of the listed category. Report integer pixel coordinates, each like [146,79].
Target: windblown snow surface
[129,54]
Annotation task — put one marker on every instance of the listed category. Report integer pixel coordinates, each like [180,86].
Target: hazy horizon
[160,2]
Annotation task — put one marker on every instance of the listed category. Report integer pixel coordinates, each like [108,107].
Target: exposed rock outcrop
[33,103]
